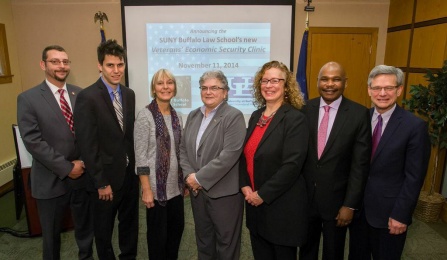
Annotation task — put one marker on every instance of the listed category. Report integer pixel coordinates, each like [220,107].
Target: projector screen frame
[125,3]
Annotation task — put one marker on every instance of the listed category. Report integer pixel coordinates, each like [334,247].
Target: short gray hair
[215,74]
[389,70]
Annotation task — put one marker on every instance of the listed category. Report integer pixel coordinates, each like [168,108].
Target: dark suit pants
[125,203]
[359,247]
[333,239]
[218,226]
[367,240]
[385,246]
[82,212]
[264,250]
[165,226]
[51,214]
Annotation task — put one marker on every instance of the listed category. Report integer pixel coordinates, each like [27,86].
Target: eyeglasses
[213,88]
[57,62]
[379,89]
[273,81]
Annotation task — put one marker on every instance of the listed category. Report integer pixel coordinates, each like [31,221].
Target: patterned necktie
[322,131]
[66,111]
[118,107]
[376,135]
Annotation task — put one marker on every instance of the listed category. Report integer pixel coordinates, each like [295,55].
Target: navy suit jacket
[338,178]
[398,169]
[103,145]
[48,138]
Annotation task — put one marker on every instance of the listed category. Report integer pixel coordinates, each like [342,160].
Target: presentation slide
[189,40]
[187,50]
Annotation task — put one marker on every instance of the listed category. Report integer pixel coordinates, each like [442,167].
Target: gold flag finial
[101,17]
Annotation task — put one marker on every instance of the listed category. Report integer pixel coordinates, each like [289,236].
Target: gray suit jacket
[216,162]
[48,138]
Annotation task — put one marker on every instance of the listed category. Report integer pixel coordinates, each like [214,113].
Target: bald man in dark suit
[337,163]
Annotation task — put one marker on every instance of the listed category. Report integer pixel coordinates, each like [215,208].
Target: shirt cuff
[143,170]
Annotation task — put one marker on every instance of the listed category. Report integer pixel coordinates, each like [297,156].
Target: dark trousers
[165,226]
[333,238]
[125,204]
[385,246]
[264,250]
[378,242]
[359,247]
[218,226]
[51,215]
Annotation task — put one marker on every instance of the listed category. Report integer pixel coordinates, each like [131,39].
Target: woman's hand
[148,198]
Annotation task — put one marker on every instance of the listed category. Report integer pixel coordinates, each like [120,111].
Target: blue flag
[103,35]
[302,63]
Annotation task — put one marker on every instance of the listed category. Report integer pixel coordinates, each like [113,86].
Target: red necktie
[322,131]
[66,111]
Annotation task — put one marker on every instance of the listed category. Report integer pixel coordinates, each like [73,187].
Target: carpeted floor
[422,243]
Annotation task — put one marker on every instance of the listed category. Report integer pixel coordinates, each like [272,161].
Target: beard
[61,79]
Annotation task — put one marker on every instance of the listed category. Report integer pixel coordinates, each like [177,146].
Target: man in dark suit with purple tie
[401,151]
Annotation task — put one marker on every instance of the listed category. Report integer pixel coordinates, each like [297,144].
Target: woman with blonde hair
[158,131]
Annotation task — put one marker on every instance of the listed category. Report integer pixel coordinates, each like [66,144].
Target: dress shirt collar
[110,89]
[212,112]
[385,116]
[334,105]
[55,89]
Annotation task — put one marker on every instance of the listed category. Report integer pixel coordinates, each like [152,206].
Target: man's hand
[78,169]
[395,227]
[192,183]
[106,193]
[148,198]
[344,216]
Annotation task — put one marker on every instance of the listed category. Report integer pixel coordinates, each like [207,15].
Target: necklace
[264,120]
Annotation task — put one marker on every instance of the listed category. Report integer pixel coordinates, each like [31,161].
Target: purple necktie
[376,135]
[322,131]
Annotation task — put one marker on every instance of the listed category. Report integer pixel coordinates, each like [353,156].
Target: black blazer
[102,143]
[278,161]
[398,170]
[338,178]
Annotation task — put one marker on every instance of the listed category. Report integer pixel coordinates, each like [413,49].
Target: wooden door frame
[343,30]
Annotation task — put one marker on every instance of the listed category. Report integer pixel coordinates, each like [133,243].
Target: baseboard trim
[7,187]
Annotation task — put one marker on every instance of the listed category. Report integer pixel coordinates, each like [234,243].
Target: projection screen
[189,39]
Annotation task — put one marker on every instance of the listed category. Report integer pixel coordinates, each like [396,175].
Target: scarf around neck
[163,151]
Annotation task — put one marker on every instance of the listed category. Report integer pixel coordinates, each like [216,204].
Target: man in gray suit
[209,153]
[45,119]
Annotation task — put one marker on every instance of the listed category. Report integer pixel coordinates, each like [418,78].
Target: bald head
[333,66]
[331,81]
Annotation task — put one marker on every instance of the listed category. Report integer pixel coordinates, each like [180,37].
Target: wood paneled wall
[417,40]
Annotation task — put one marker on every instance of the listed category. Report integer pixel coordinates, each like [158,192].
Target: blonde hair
[159,75]
[292,94]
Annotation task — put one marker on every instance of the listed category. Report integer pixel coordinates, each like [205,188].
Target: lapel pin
[72,93]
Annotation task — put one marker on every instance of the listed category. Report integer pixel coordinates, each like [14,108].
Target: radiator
[6,172]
